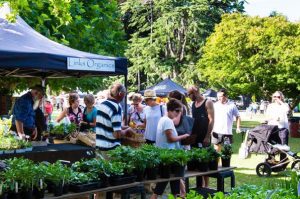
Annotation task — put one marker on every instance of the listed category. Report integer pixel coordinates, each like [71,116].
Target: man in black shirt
[203,114]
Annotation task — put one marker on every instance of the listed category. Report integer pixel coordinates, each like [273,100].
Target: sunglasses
[276,96]
[178,110]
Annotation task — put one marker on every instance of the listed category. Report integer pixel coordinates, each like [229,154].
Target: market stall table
[188,174]
[53,152]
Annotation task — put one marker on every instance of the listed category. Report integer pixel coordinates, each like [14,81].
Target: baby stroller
[272,141]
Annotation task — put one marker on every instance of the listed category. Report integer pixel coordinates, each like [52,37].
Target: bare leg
[154,196]
[182,188]
[205,180]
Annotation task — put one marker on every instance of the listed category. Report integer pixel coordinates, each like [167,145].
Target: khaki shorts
[217,138]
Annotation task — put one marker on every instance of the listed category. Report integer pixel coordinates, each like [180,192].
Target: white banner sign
[91,64]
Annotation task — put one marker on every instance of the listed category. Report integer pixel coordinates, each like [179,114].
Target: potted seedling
[20,176]
[56,175]
[214,158]
[166,160]
[226,153]
[180,159]
[39,181]
[151,160]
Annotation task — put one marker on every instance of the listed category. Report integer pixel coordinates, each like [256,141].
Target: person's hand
[129,132]
[184,136]
[22,136]
[206,141]
[34,134]
[238,130]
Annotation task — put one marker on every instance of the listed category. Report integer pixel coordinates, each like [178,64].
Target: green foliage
[58,173]
[212,153]
[226,151]
[21,171]
[151,157]
[92,26]
[180,157]
[252,55]
[63,129]
[166,37]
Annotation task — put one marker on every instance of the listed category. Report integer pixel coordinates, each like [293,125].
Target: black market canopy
[26,53]
[164,87]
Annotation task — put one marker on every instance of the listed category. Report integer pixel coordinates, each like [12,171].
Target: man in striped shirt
[109,120]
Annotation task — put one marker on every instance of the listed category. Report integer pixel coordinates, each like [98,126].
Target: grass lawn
[245,172]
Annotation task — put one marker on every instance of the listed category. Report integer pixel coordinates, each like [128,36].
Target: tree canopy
[253,56]
[93,26]
[166,37]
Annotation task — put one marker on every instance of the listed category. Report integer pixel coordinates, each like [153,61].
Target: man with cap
[23,121]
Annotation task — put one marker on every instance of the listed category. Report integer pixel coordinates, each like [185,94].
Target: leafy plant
[20,171]
[226,151]
[58,173]
[212,153]
[180,157]
[151,156]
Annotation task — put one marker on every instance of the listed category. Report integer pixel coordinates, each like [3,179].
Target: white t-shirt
[152,115]
[164,124]
[277,115]
[224,117]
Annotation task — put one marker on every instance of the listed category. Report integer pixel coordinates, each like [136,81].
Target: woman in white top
[277,113]
[167,137]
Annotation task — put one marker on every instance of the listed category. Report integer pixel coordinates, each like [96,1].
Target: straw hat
[150,94]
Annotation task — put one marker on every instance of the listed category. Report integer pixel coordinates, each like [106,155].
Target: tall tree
[252,55]
[166,36]
[94,26]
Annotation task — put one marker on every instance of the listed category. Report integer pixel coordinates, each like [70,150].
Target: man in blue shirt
[23,121]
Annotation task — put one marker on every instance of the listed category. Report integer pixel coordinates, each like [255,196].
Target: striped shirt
[108,120]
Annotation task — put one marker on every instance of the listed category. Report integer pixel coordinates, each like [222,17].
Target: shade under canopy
[26,53]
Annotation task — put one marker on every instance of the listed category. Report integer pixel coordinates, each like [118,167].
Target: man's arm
[122,133]
[19,127]
[238,124]
[210,113]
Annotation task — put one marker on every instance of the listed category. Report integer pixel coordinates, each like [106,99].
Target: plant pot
[85,187]
[165,171]
[178,170]
[9,151]
[20,150]
[213,165]
[3,196]
[13,195]
[27,194]
[104,180]
[225,162]
[120,180]
[28,149]
[139,175]
[38,193]
[202,166]
[58,190]
[151,173]
[192,165]
[66,188]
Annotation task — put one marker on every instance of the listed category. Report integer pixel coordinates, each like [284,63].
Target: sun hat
[150,94]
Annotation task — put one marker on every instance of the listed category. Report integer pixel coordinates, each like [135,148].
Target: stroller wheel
[296,165]
[263,170]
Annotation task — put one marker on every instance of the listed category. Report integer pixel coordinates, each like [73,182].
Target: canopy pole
[43,85]
[125,111]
